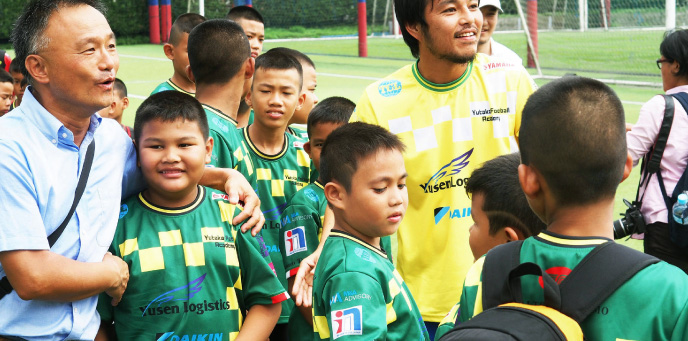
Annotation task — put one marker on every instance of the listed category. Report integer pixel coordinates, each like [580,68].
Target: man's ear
[335,194]
[307,148]
[414,30]
[512,234]
[628,167]
[169,50]
[189,74]
[38,68]
[209,150]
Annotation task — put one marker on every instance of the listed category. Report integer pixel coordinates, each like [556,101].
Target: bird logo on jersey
[295,240]
[183,293]
[347,321]
[452,168]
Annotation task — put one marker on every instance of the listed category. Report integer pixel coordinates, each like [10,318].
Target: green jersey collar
[219,112]
[342,234]
[176,210]
[441,87]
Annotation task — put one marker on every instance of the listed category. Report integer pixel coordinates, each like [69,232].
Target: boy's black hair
[330,110]
[184,23]
[15,65]
[218,49]
[300,56]
[674,47]
[245,12]
[5,77]
[27,36]
[276,60]
[169,106]
[411,12]
[348,144]
[573,131]
[504,202]
[120,88]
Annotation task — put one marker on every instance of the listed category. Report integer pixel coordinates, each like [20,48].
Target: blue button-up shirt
[39,169]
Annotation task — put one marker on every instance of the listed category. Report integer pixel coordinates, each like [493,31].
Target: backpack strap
[682,98]
[662,137]
[610,265]
[499,262]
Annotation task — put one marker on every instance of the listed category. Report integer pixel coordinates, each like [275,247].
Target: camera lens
[622,228]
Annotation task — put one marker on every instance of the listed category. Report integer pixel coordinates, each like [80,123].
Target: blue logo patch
[365,255]
[123,210]
[389,88]
[183,293]
[310,194]
[441,212]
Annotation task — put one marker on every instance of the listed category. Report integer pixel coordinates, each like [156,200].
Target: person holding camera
[673,65]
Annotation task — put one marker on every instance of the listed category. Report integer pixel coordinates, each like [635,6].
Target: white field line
[319,74]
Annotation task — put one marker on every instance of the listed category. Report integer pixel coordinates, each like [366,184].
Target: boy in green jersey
[176,50]
[302,220]
[357,292]
[282,165]
[192,273]
[500,214]
[573,159]
[220,61]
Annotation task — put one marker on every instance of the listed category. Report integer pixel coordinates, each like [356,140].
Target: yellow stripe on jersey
[128,247]
[219,112]
[573,242]
[441,87]
[321,327]
[391,314]
[227,211]
[188,208]
[177,88]
[362,243]
[261,154]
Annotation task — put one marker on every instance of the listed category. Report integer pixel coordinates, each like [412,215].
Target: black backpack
[566,305]
[651,161]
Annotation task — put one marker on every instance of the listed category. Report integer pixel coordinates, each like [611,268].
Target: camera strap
[5,286]
[653,158]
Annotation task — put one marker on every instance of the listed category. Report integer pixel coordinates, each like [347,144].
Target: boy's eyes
[379,190]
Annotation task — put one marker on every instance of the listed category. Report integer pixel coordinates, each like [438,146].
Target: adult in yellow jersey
[454,109]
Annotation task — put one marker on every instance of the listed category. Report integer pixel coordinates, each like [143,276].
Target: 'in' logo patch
[347,321]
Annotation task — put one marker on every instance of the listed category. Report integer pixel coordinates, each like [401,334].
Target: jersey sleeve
[526,86]
[299,235]
[222,152]
[258,280]
[471,295]
[364,319]
[364,111]
[447,322]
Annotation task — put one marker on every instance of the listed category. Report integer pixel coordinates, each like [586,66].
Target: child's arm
[238,189]
[260,321]
[303,281]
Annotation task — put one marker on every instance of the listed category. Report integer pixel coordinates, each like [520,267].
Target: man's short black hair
[504,202]
[184,23]
[15,65]
[573,131]
[218,49]
[170,106]
[330,110]
[674,47]
[120,88]
[245,12]
[276,60]
[27,36]
[300,56]
[5,77]
[410,12]
[347,145]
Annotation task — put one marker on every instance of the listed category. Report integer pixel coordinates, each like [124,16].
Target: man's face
[452,30]
[18,88]
[255,31]
[6,98]
[490,18]
[80,59]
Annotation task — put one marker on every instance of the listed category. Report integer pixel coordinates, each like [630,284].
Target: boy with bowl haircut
[6,92]
[500,213]
[302,220]
[18,82]
[176,50]
[253,24]
[192,272]
[357,292]
[282,165]
[220,62]
[573,159]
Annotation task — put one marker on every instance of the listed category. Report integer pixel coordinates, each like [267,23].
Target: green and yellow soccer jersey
[229,150]
[449,130]
[278,178]
[447,322]
[652,305]
[191,272]
[295,130]
[168,86]
[359,295]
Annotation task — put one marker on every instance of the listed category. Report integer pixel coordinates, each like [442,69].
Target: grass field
[142,67]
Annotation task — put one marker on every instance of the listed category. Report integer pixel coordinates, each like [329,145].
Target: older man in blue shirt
[70,61]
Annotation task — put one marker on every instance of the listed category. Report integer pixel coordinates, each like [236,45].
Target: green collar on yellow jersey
[177,210]
[441,87]
[219,112]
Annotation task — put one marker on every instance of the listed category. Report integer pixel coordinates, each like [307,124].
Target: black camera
[631,221]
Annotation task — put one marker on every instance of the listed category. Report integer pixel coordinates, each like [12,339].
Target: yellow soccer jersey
[449,130]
